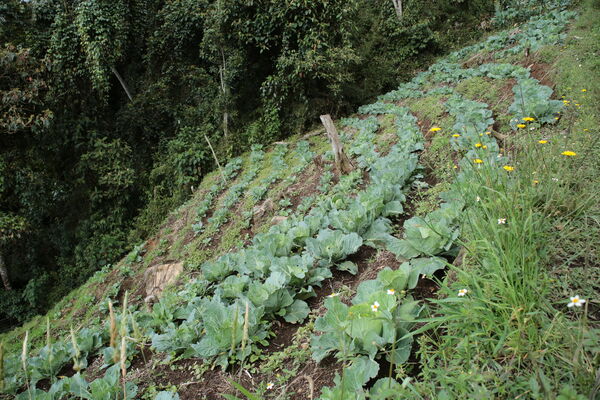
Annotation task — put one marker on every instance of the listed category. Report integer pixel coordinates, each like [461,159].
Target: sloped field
[421,274]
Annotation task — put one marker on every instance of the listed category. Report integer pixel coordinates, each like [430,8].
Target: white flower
[478,198]
[333,295]
[462,292]
[391,291]
[555,179]
[501,221]
[270,385]
[375,306]
[576,301]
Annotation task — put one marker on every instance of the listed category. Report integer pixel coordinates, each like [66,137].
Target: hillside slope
[443,266]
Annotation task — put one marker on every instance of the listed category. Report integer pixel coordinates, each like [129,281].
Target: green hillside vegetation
[459,259]
[109,109]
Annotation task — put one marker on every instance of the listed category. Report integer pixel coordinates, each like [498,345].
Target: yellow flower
[478,145]
[528,119]
[488,133]
[456,135]
[484,147]
[508,168]
[435,129]
[556,118]
[455,167]
[481,134]
[566,101]
[584,90]
[586,130]
[535,181]
[542,141]
[521,126]
[568,153]
[478,161]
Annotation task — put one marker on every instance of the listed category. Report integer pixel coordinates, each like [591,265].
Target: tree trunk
[342,162]
[398,7]
[224,89]
[4,274]
[122,82]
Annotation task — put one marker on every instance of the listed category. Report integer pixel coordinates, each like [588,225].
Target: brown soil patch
[539,70]
[306,185]
[506,92]
[382,259]
[478,59]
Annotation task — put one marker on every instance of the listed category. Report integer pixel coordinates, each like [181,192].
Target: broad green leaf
[165,395]
[296,312]
[384,388]
[365,289]
[348,266]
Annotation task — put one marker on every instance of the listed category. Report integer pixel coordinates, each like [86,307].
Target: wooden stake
[216,159]
[342,162]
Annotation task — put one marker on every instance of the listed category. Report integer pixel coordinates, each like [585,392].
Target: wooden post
[342,162]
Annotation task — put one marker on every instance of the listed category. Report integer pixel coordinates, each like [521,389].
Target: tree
[11,228]
[398,7]
[102,27]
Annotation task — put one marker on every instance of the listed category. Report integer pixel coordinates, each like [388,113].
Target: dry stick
[216,159]
[76,361]
[234,331]
[311,134]
[24,362]
[190,383]
[1,366]
[123,368]
[113,332]
[311,386]
[49,343]
[245,336]
[48,332]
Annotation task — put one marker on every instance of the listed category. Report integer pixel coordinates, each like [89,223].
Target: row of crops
[250,184]
[227,313]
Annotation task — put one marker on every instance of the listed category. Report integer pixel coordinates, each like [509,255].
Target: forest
[107,109]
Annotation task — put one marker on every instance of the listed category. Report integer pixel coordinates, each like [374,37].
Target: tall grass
[512,335]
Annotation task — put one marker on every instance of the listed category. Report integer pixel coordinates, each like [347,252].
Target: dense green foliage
[88,172]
